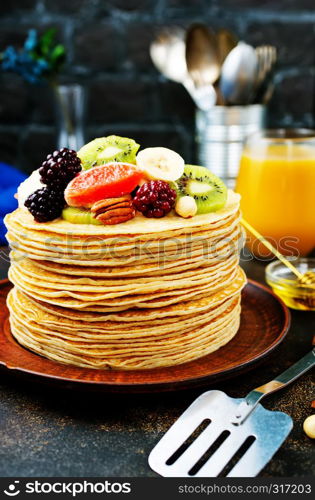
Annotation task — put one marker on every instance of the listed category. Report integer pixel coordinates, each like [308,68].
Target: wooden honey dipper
[307,279]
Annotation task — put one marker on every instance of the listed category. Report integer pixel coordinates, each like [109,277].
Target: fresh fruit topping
[161,164]
[108,149]
[114,210]
[79,216]
[45,204]
[186,206]
[29,186]
[155,199]
[107,181]
[207,189]
[60,168]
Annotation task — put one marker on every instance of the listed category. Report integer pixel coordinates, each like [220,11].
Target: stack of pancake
[143,294]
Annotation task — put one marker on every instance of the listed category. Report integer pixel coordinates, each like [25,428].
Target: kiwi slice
[208,190]
[79,216]
[107,149]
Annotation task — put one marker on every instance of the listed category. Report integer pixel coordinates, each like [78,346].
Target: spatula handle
[288,376]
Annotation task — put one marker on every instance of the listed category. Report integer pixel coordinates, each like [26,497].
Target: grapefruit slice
[107,181]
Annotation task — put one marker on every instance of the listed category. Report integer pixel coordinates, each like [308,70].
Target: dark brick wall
[108,41]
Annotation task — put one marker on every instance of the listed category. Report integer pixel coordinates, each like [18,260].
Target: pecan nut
[114,210]
[102,205]
[115,220]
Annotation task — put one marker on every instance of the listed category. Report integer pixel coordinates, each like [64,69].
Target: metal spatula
[222,436]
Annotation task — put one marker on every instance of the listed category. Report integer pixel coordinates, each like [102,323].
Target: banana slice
[161,164]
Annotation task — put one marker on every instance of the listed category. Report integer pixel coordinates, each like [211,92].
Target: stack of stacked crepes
[147,293]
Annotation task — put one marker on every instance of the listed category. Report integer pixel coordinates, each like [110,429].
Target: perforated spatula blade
[219,435]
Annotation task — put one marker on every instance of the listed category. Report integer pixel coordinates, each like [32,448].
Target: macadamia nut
[186,207]
[309,426]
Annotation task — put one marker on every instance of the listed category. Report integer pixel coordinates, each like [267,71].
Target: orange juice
[277,184]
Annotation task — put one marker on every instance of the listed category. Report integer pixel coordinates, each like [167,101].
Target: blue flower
[32,70]
[38,60]
[31,41]
[9,59]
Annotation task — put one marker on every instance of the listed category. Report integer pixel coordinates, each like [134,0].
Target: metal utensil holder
[220,135]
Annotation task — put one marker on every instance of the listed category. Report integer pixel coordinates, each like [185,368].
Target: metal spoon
[203,62]
[168,55]
[267,56]
[238,74]
[226,41]
[202,55]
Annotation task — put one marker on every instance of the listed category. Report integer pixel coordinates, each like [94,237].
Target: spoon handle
[272,249]
[204,97]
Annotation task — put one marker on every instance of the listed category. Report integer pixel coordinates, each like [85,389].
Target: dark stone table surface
[52,431]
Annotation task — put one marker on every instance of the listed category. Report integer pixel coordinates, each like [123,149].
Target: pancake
[139,228]
[129,351]
[140,295]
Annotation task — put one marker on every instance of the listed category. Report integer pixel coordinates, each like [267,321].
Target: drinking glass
[277,183]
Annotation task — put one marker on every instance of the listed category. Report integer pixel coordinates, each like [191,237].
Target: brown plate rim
[160,386]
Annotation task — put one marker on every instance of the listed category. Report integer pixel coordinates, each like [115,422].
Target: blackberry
[155,199]
[60,168]
[45,204]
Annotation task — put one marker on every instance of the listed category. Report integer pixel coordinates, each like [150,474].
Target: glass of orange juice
[277,183]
